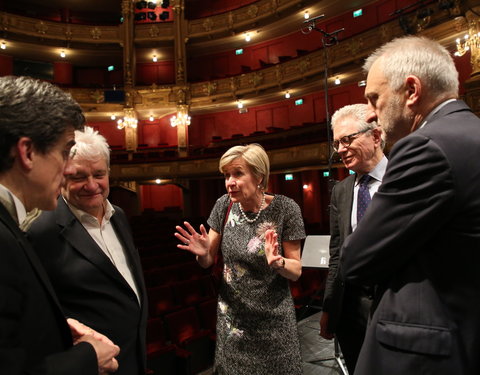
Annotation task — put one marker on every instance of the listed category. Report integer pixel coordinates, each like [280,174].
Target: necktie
[363,197]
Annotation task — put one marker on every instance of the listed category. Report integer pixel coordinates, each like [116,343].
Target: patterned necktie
[363,197]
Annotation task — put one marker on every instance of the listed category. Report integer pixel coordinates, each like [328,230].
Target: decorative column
[182,123]
[472,85]
[129,66]
[180,76]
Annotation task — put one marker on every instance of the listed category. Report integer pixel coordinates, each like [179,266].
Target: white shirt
[106,238]
[373,185]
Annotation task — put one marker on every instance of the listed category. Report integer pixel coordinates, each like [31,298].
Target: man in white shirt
[360,146]
[37,123]
[87,248]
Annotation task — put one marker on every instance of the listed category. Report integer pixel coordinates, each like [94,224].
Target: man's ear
[413,90]
[24,153]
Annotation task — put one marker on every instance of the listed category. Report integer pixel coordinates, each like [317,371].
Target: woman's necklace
[262,203]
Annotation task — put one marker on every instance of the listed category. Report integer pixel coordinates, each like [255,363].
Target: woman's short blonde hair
[255,157]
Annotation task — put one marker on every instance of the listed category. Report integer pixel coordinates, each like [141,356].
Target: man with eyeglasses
[419,241]
[360,146]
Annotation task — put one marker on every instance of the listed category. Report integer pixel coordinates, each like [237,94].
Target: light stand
[328,40]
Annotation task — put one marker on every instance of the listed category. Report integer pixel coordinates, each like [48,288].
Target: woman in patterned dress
[260,244]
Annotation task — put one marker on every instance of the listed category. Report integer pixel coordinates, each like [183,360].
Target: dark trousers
[351,327]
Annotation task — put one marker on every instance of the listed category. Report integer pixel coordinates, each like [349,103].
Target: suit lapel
[346,205]
[32,258]
[79,239]
[131,252]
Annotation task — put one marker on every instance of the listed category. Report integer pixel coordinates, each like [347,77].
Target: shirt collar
[19,213]
[377,172]
[435,110]
[82,215]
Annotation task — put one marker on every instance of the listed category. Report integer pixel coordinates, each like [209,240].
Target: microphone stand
[328,40]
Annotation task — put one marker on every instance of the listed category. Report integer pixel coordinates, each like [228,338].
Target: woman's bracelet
[281,266]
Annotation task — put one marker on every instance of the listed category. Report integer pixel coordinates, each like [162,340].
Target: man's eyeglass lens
[347,139]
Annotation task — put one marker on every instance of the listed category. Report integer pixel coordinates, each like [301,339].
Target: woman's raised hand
[271,248]
[196,243]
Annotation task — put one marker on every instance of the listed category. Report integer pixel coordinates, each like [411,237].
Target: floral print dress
[256,325]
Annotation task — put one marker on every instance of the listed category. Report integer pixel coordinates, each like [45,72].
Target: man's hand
[105,349]
[323,326]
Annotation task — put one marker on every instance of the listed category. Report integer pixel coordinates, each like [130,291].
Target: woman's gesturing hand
[197,243]
[274,260]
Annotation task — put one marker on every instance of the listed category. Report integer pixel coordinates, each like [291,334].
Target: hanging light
[180,119]
[306,15]
[127,122]
[468,41]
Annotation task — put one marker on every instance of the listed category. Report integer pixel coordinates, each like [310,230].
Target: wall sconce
[63,54]
[248,38]
[127,122]
[239,104]
[468,41]
[337,81]
[306,15]
[151,118]
[154,58]
[287,95]
[158,181]
[180,119]
[113,117]
[3,45]
[305,187]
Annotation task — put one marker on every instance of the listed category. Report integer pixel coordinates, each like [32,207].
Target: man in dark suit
[87,248]
[420,238]
[37,122]
[346,306]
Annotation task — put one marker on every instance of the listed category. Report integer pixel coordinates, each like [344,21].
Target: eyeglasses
[347,140]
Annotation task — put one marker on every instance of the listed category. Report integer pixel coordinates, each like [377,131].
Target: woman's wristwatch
[281,266]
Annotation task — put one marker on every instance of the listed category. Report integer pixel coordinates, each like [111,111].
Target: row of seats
[182,342]
[167,298]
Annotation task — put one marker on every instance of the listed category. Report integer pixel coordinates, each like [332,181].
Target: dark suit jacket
[420,241]
[34,336]
[340,227]
[89,286]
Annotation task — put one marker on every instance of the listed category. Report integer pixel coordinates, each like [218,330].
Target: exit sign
[357,13]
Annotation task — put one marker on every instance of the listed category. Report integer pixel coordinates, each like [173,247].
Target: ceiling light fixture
[154,58]
[3,45]
[240,104]
[180,119]
[287,95]
[306,15]
[337,81]
[127,122]
[62,54]
[113,117]
[151,118]
[247,37]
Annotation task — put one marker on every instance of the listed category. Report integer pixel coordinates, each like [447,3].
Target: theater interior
[172,84]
